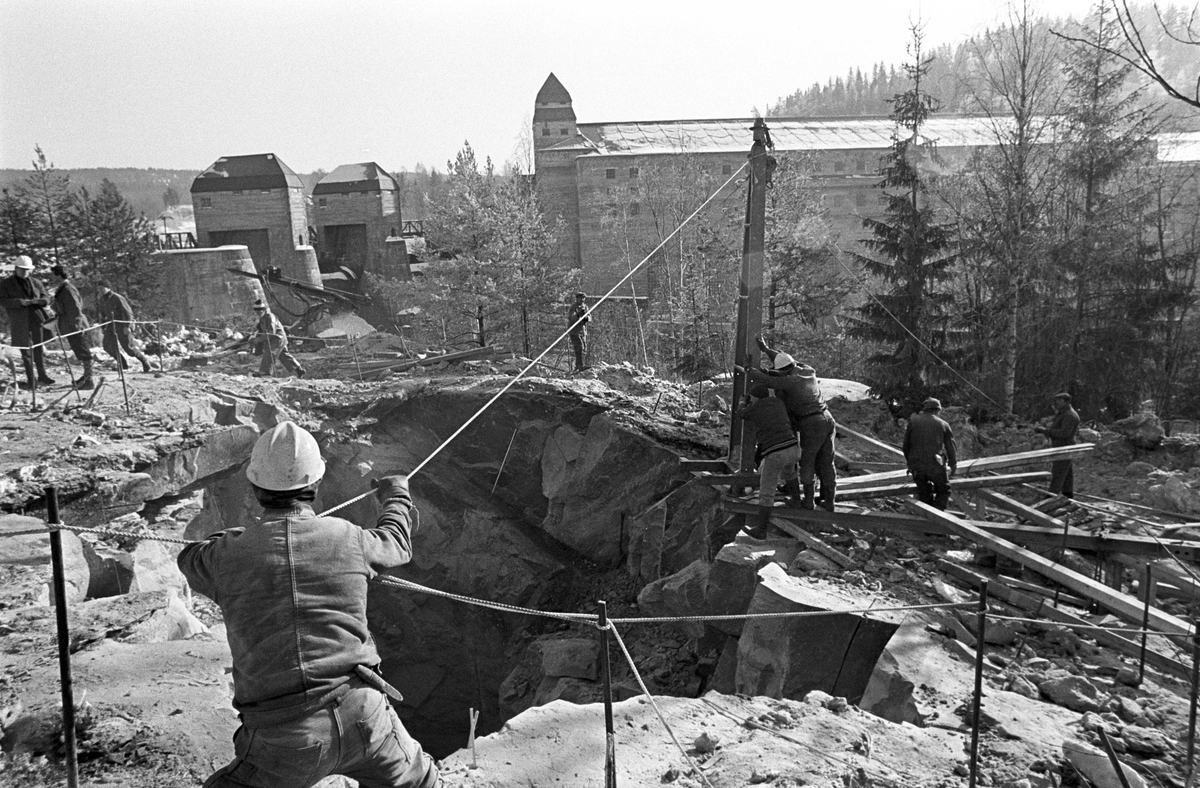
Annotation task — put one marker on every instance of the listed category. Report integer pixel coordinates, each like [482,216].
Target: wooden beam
[1040,609]
[727,479]
[1120,604]
[875,442]
[980,464]
[1016,507]
[816,544]
[711,466]
[970,483]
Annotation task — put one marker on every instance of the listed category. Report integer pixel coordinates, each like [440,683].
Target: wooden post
[610,737]
[1191,743]
[1147,592]
[1112,757]
[64,637]
[750,291]
[981,630]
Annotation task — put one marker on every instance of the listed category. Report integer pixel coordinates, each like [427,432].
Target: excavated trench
[545,493]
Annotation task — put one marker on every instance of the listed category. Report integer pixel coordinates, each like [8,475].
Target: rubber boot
[792,488]
[756,524]
[828,492]
[86,382]
[809,489]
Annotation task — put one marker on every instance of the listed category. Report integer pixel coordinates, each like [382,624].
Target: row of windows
[546,132]
[611,173]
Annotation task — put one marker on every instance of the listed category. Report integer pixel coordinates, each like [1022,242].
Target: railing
[411,228]
[175,241]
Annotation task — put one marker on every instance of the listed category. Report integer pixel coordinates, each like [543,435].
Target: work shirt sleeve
[951,449]
[389,543]
[1063,428]
[197,562]
[758,376]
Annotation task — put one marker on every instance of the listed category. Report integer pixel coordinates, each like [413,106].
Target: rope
[52,527]
[1090,627]
[654,704]
[791,614]
[578,618]
[561,337]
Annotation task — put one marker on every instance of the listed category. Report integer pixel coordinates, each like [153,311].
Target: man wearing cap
[73,323]
[272,340]
[117,316]
[928,451]
[578,333]
[776,452]
[1061,432]
[292,589]
[810,418]
[27,303]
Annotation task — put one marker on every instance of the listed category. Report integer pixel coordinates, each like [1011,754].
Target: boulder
[1024,687]
[1143,430]
[574,658]
[28,549]
[681,594]
[154,568]
[1174,495]
[1139,468]
[734,576]
[111,570]
[1145,741]
[674,531]
[1086,435]
[568,689]
[889,693]
[1126,708]
[1097,768]
[76,575]
[1073,692]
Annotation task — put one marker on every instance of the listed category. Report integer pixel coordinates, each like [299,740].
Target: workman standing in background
[1061,432]
[578,333]
[272,341]
[293,592]
[117,316]
[73,324]
[929,451]
[777,451]
[810,418]
[27,303]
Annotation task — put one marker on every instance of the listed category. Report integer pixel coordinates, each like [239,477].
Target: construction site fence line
[1089,627]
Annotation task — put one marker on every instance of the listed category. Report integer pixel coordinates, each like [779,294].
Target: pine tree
[18,219]
[914,254]
[48,191]
[113,242]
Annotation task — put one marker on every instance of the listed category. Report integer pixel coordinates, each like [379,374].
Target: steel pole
[1148,583]
[64,637]
[610,737]
[1191,743]
[980,632]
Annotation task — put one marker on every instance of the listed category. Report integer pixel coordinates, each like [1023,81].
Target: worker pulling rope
[579,321]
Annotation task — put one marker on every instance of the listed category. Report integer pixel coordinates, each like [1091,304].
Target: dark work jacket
[772,430]
[577,311]
[15,293]
[929,442]
[799,390]
[114,306]
[1062,430]
[293,591]
[69,306]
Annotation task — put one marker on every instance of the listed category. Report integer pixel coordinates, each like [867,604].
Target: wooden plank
[969,483]
[1120,604]
[1016,507]
[813,542]
[981,464]
[725,479]
[846,464]
[699,466]
[459,355]
[1040,609]
[875,442]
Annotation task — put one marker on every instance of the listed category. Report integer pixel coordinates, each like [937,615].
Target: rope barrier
[579,321]
[791,614]
[1090,627]
[577,618]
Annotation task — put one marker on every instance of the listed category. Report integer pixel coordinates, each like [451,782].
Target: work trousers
[274,354]
[358,736]
[579,344]
[933,485]
[816,450]
[777,465]
[33,359]
[80,347]
[118,340]
[1062,478]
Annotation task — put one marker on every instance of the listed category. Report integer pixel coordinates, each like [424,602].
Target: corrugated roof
[552,92]
[366,176]
[255,171]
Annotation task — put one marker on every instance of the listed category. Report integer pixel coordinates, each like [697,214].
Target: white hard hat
[23,261]
[783,361]
[286,457]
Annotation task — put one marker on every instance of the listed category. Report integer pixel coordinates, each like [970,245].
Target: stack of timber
[374,370]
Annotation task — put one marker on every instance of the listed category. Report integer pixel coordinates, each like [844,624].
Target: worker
[73,323]
[27,303]
[578,333]
[1061,432]
[930,454]
[117,316]
[810,418]
[272,341]
[776,450]
[292,589]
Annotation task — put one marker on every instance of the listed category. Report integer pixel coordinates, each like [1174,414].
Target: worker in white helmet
[814,425]
[293,591]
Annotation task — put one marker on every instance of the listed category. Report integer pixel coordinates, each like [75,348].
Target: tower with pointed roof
[556,144]
[356,208]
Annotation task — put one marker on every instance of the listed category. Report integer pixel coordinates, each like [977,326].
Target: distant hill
[144,189]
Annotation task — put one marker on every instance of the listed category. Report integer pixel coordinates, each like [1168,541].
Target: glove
[761,344]
[389,487]
[39,302]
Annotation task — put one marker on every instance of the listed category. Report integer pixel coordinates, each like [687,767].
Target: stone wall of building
[195,286]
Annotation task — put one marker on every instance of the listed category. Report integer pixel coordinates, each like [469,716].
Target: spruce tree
[913,255]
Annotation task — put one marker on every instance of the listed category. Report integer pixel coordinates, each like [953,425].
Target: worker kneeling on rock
[776,450]
[293,591]
[929,451]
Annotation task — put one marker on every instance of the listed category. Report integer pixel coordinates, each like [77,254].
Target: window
[266,191]
[839,166]
[321,203]
[635,208]
[546,131]
[610,174]
[633,172]
[206,202]
[237,191]
[860,165]
[562,132]
[727,169]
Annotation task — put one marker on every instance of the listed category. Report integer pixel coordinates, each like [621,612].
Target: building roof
[366,176]
[574,142]
[1179,147]
[237,173]
[552,92]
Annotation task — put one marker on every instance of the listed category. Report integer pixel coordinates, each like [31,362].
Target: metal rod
[158,340]
[121,374]
[504,461]
[64,636]
[610,738]
[1112,757]
[1062,552]
[70,372]
[980,632]
[354,350]
[1191,746]
[1147,585]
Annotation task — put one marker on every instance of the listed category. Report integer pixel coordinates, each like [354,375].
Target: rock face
[1096,767]
[1074,692]
[1143,430]
[1174,495]
[889,693]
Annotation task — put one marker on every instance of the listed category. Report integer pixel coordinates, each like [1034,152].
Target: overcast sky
[141,83]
